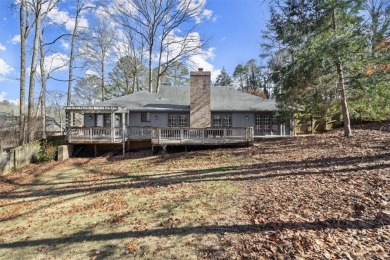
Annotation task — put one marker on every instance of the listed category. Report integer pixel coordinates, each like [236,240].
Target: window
[222,120]
[177,120]
[263,124]
[217,122]
[100,120]
[145,117]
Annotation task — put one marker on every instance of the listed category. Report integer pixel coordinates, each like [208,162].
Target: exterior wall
[200,114]
[89,120]
[156,119]
[243,119]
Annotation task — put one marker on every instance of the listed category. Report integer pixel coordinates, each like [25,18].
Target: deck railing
[139,132]
[96,135]
[162,136]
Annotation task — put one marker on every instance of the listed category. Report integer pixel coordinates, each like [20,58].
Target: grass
[221,203]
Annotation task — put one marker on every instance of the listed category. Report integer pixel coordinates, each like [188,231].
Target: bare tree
[97,50]
[40,9]
[130,61]
[154,22]
[24,31]
[46,67]
[56,101]
[81,6]
[44,78]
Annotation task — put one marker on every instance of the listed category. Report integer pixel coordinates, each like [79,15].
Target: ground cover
[320,196]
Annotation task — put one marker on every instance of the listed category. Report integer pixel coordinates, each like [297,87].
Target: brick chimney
[200,110]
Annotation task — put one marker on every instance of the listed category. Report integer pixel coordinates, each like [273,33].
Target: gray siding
[159,119]
[89,122]
[243,119]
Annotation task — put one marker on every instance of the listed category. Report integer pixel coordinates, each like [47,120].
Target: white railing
[161,136]
[95,134]
[139,132]
[201,135]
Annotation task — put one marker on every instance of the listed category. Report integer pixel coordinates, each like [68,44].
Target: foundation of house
[64,152]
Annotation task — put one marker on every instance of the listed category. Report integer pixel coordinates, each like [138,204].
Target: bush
[47,152]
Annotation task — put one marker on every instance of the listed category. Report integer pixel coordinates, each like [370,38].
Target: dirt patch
[322,196]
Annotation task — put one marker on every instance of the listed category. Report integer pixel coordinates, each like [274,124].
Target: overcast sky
[234,26]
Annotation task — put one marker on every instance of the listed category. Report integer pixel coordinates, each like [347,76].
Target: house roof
[178,99]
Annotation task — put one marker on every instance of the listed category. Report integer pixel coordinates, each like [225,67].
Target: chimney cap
[200,69]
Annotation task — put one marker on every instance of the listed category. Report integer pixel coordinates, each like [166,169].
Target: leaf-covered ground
[315,197]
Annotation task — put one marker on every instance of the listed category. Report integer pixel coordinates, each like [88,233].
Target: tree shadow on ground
[323,166]
[88,236]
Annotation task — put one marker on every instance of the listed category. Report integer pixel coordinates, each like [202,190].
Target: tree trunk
[43,86]
[71,58]
[341,85]
[102,71]
[33,70]
[344,104]
[23,36]
[150,70]
[158,79]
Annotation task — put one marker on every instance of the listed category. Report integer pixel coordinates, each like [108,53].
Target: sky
[234,27]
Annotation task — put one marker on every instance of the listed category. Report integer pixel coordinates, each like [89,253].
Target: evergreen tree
[87,90]
[321,42]
[240,74]
[223,79]
[126,77]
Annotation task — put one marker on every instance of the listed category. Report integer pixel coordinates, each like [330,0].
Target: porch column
[112,127]
[123,133]
[124,127]
[69,124]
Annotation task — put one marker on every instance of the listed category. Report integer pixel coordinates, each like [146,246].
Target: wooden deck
[201,136]
[96,135]
[161,136]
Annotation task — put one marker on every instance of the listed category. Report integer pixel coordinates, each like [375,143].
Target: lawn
[320,196]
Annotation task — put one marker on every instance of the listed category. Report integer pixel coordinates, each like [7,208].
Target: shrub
[47,152]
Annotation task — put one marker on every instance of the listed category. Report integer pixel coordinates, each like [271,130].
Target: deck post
[159,135]
[123,126]
[90,131]
[112,127]
[68,126]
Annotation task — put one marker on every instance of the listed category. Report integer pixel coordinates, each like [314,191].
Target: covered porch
[96,125]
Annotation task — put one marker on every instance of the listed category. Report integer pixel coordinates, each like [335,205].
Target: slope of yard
[314,197]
